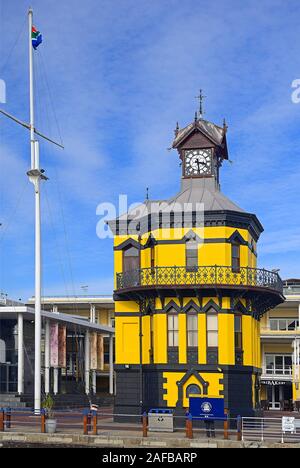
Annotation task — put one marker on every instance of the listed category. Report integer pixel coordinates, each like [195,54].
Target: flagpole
[35,178]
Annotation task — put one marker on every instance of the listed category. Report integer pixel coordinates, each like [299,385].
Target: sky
[112,79]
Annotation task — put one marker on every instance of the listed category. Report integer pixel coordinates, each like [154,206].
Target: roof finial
[176,129]
[225,126]
[201,98]
[147,193]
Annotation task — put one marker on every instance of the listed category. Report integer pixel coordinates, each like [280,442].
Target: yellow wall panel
[247,324]
[160,339]
[127,340]
[202,339]
[126,306]
[182,339]
[226,339]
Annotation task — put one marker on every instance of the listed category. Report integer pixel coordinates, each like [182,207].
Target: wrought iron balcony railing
[199,276]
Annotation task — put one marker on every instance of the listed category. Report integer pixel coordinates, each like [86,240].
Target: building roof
[11,312]
[211,130]
[104,302]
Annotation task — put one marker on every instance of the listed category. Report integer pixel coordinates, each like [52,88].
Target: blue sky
[120,75]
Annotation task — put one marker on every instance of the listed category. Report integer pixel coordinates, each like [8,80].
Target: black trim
[227,218]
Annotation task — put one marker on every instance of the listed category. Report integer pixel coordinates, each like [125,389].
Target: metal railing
[200,276]
[279,370]
[270,429]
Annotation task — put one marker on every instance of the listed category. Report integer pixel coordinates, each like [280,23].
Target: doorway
[277,394]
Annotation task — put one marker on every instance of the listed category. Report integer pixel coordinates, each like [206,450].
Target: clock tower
[188,293]
[202,148]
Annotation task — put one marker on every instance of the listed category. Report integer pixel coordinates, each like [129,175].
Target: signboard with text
[207,408]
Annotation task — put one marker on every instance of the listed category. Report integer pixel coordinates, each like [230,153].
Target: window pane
[175,338]
[292,324]
[235,250]
[212,339]
[131,252]
[282,325]
[238,340]
[273,324]
[269,361]
[212,323]
[237,323]
[287,361]
[192,322]
[192,338]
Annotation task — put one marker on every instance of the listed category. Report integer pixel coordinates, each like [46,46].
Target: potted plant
[51,422]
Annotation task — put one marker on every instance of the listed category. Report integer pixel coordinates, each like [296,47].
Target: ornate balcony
[265,285]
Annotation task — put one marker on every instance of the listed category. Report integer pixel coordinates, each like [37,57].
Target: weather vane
[201,98]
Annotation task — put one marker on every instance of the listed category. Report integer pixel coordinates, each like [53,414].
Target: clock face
[198,162]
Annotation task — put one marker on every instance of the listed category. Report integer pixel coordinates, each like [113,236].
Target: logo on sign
[206,407]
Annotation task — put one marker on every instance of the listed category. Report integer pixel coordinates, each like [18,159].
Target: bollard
[43,421]
[85,422]
[89,416]
[239,428]
[2,420]
[189,426]
[226,424]
[8,418]
[94,414]
[145,425]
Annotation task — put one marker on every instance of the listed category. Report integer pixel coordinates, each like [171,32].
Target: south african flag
[36,37]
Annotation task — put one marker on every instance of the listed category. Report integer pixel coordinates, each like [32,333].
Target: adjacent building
[97,309]
[280,337]
[77,353]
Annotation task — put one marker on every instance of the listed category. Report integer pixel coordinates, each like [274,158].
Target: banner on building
[100,352]
[93,348]
[54,345]
[62,346]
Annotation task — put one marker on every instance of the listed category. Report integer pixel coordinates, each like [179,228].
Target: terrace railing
[181,276]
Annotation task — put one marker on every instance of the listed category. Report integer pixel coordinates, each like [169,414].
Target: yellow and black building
[188,293]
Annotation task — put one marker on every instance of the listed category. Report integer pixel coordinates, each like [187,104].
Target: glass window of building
[172,328]
[279,364]
[191,254]
[238,335]
[284,324]
[212,329]
[192,329]
[235,253]
[131,259]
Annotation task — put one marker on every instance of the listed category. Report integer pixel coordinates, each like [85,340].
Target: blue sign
[207,408]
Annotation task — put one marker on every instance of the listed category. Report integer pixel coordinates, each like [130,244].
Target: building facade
[95,309]
[280,336]
[188,294]
[72,355]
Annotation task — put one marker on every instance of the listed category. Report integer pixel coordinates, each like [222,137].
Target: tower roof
[204,191]
[212,131]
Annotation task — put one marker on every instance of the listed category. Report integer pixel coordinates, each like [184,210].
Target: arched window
[131,259]
[192,389]
[173,328]
[191,254]
[192,328]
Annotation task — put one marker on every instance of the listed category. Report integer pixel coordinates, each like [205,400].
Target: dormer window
[236,257]
[131,259]
[191,254]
